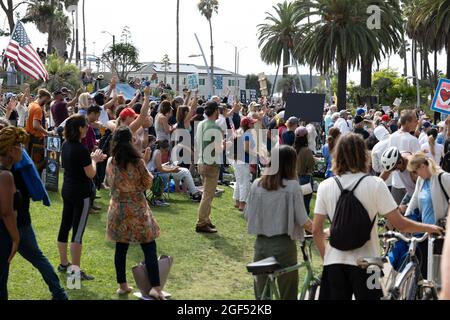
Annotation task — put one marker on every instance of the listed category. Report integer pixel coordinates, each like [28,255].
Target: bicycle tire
[429,295]
[312,291]
[407,287]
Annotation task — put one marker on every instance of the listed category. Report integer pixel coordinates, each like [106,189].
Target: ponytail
[432,136]
[333,136]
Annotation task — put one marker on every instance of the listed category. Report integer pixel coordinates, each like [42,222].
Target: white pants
[243,181]
[185,175]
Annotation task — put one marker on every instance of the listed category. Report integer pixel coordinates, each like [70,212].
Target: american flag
[21,51]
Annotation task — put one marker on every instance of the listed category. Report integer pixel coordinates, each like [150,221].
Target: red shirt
[90,141]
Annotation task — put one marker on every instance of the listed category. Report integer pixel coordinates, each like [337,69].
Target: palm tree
[207,8]
[277,37]
[436,15]
[337,34]
[50,18]
[389,37]
[178,47]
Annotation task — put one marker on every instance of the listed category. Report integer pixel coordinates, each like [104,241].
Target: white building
[228,83]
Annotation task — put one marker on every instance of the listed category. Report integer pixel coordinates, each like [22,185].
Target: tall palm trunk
[342,86]
[84,36]
[448,58]
[50,27]
[366,77]
[414,61]
[212,57]
[286,62]
[72,50]
[178,47]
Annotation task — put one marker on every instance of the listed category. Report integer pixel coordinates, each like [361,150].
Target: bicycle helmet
[390,158]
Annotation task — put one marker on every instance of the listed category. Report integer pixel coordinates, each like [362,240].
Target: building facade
[227,83]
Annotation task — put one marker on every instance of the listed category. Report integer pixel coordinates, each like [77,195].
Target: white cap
[441,124]
[282,114]
[380,133]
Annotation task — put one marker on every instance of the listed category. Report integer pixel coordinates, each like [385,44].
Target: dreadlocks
[11,136]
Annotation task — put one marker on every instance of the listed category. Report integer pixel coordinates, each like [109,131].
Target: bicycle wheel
[429,295]
[407,286]
[312,291]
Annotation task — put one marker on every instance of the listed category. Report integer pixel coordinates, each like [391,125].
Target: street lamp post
[113,50]
[210,76]
[236,64]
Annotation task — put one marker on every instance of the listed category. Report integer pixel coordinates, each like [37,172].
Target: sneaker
[205,229]
[63,269]
[160,203]
[196,197]
[86,277]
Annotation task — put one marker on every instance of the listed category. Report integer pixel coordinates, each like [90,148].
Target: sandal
[157,296]
[122,292]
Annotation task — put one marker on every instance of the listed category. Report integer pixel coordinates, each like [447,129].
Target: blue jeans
[5,251]
[307,199]
[29,250]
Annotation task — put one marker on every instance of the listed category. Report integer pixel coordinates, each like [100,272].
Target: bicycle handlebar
[399,236]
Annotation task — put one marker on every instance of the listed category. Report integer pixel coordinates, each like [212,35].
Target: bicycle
[272,269]
[409,284]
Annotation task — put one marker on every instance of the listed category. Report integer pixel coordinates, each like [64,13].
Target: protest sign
[441,101]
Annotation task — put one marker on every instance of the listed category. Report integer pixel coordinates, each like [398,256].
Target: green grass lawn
[211,267]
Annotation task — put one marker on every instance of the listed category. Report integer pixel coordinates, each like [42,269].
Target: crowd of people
[394,162]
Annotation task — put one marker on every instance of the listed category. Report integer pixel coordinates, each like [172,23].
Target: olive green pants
[285,251]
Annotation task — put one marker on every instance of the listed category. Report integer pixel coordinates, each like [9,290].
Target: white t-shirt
[373,195]
[343,126]
[423,138]
[438,152]
[377,152]
[104,118]
[405,143]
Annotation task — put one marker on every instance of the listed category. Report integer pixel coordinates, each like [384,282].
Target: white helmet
[390,158]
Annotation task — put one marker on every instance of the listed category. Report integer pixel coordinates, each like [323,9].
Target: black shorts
[342,282]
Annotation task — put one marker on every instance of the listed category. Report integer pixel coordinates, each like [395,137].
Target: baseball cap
[360,112]
[282,114]
[293,121]
[380,132]
[358,119]
[128,113]
[57,93]
[247,121]
[301,132]
[179,100]
[343,113]
[441,124]
[426,125]
[385,118]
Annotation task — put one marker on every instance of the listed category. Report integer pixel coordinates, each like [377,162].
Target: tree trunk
[414,62]
[435,68]
[212,58]
[178,47]
[405,71]
[286,62]
[342,86]
[84,35]
[448,58]
[10,15]
[72,50]
[50,27]
[366,78]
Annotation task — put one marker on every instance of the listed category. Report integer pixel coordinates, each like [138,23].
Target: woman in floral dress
[130,220]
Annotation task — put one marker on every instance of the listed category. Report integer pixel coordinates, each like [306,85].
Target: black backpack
[351,227]
[445,163]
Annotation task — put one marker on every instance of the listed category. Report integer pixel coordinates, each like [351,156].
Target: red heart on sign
[445,95]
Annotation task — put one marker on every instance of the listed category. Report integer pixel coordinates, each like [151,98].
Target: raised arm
[75,100]
[139,122]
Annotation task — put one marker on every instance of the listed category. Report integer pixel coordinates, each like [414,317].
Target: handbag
[141,276]
[307,189]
